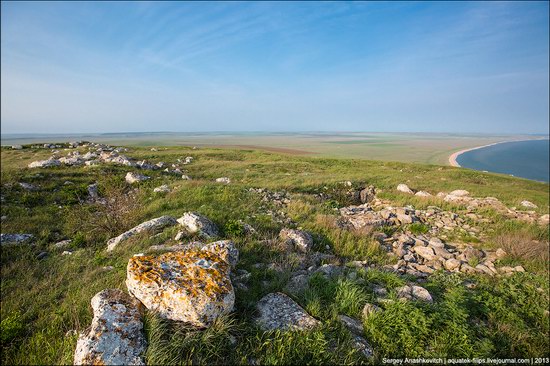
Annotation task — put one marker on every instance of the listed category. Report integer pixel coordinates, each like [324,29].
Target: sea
[525,159]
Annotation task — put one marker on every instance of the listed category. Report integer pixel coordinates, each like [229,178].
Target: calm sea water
[526,159]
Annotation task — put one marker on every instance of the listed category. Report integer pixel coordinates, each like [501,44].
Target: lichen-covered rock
[301,239]
[45,163]
[192,286]
[194,222]
[278,311]
[116,334]
[404,188]
[154,224]
[135,177]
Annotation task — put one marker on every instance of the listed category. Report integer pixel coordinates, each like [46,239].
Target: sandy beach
[454,156]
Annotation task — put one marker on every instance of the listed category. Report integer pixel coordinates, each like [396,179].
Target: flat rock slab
[154,224]
[192,286]
[278,311]
[116,334]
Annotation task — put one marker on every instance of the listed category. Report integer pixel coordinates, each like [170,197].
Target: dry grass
[521,246]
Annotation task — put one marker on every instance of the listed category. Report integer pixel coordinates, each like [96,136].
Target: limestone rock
[132,177]
[353,325]
[224,180]
[459,193]
[162,189]
[411,292]
[192,286]
[528,204]
[116,334]
[297,284]
[45,163]
[425,252]
[423,194]
[370,309]
[6,239]
[154,224]
[225,248]
[278,311]
[367,195]
[196,223]
[544,220]
[301,239]
[404,188]
[452,264]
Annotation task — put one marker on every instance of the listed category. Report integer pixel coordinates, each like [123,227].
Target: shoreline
[455,155]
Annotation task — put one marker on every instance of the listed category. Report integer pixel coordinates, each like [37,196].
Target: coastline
[455,155]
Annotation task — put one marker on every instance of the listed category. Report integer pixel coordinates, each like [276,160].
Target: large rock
[191,286]
[45,163]
[301,239]
[224,248]
[404,188]
[278,311]
[116,334]
[154,224]
[132,177]
[196,223]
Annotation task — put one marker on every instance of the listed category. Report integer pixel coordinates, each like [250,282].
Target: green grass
[44,301]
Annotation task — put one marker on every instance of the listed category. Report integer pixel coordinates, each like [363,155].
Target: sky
[463,67]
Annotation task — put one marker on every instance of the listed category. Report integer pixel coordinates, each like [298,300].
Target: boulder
[154,224]
[191,286]
[132,177]
[278,311]
[300,239]
[404,188]
[116,334]
[196,223]
[528,204]
[412,292]
[225,248]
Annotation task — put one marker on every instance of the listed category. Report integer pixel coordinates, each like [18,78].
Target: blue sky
[229,66]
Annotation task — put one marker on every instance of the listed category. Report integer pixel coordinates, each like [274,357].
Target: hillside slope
[481,264]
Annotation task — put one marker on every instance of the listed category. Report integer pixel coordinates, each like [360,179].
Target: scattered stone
[180,235]
[404,188]
[452,264]
[45,163]
[192,286]
[224,180]
[297,284]
[185,177]
[300,239]
[93,191]
[353,325]
[154,224]
[116,334]
[135,177]
[162,189]
[425,252]
[28,186]
[423,194]
[67,252]
[367,195]
[194,222]
[370,309]
[42,255]
[361,344]
[411,292]
[17,147]
[6,239]
[278,311]
[459,193]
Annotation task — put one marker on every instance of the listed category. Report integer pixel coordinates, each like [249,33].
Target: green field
[405,147]
[45,303]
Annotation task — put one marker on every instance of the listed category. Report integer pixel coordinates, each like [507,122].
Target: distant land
[430,148]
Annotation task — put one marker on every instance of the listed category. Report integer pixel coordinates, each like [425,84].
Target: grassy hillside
[45,302]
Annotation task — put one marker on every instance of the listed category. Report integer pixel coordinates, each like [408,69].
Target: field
[45,302]
[412,147]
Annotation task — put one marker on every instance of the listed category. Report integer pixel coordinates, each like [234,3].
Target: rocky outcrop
[300,239]
[154,224]
[191,286]
[278,311]
[194,222]
[116,334]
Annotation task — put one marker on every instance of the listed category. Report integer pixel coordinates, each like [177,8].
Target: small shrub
[234,229]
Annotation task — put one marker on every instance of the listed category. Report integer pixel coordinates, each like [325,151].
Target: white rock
[16,147]
[223,180]
[423,194]
[116,334]
[162,189]
[411,292]
[135,177]
[278,311]
[154,224]
[425,252]
[185,177]
[194,222]
[192,286]
[63,244]
[44,163]
[404,188]
[301,239]
[459,193]
[528,204]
